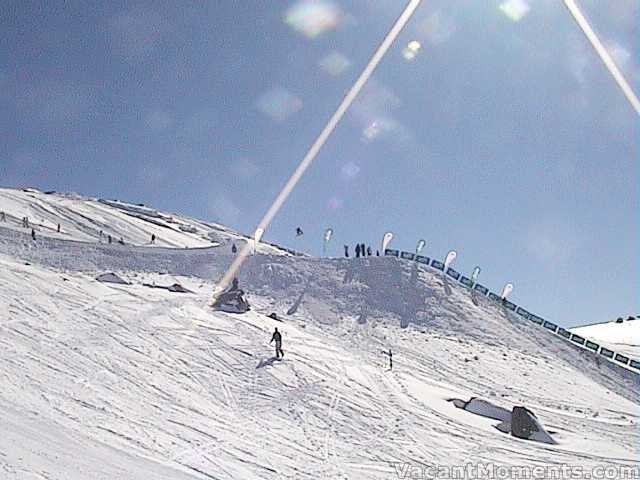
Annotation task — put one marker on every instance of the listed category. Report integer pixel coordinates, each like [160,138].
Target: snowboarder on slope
[278,339]
[234,249]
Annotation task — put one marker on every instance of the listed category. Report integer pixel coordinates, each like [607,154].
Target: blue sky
[502,136]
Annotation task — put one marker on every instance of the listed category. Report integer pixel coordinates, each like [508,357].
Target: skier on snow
[278,339]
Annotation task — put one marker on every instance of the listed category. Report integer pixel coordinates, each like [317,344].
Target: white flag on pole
[256,238]
[327,236]
[508,288]
[451,256]
[386,240]
[475,274]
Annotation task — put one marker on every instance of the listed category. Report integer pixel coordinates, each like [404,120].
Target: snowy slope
[622,337]
[83,219]
[126,381]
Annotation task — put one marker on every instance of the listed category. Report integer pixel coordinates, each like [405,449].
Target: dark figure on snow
[234,249]
[3,217]
[363,249]
[346,251]
[377,253]
[153,238]
[121,241]
[58,228]
[33,234]
[368,251]
[278,339]
[390,355]
[299,232]
[109,238]
[357,250]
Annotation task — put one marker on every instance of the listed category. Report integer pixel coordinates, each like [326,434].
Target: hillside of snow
[128,381]
[95,220]
[623,337]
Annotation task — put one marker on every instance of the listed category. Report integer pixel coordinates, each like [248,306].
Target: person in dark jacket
[368,251]
[358,250]
[346,251]
[33,234]
[234,249]
[299,232]
[277,337]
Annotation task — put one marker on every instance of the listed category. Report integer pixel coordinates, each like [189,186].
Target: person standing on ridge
[368,251]
[153,238]
[346,251]
[278,339]
[357,250]
[234,249]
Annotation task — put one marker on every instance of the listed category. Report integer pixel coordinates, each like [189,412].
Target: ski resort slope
[83,219]
[126,381]
[622,337]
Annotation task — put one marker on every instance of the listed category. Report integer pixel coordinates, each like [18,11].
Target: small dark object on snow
[619,320]
[176,287]
[153,238]
[33,234]
[368,251]
[299,232]
[274,316]
[346,251]
[234,249]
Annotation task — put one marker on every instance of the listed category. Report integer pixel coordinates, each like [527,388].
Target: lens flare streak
[320,141]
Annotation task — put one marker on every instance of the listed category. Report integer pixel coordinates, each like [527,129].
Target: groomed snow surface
[111,380]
